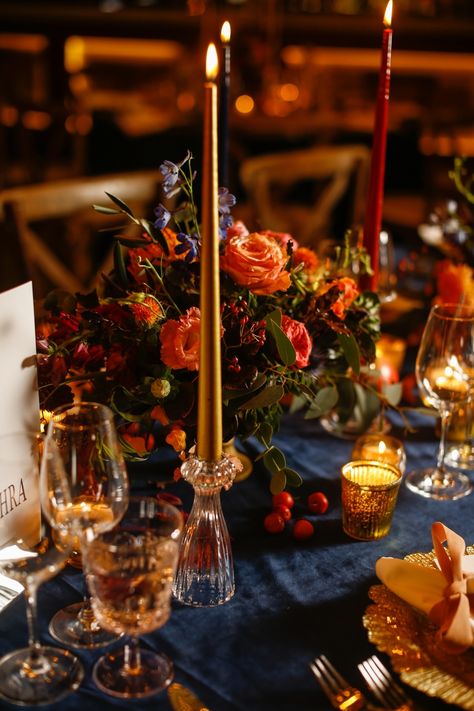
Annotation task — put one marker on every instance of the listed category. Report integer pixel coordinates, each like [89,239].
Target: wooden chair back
[51,231]
[327,173]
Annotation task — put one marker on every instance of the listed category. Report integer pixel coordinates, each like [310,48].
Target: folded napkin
[446,594]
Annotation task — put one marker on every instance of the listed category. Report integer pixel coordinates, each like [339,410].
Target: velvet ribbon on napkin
[445,595]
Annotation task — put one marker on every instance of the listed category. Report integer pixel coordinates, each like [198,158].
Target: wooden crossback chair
[328,172]
[61,257]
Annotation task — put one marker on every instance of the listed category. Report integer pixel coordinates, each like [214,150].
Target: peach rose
[237,229]
[283,237]
[257,262]
[300,339]
[180,341]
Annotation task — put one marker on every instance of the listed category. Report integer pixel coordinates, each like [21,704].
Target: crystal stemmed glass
[36,674]
[444,367]
[85,436]
[129,572]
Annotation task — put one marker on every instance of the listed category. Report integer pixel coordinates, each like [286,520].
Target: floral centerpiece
[294,330]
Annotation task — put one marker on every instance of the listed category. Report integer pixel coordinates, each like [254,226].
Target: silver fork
[383,685]
[341,694]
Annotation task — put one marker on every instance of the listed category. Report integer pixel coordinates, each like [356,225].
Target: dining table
[293,601]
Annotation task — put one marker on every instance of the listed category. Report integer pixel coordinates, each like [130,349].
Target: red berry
[283,511]
[303,529]
[318,503]
[284,498]
[274,523]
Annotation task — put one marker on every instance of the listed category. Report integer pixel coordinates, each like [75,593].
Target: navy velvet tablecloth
[293,600]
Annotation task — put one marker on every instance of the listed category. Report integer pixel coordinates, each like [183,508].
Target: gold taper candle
[209,427]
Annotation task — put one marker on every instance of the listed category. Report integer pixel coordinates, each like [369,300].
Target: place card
[19,412]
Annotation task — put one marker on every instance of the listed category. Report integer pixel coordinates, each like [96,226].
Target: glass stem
[445,413]
[32,620]
[132,658]
[86,615]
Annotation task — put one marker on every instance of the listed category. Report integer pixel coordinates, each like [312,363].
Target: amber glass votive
[369,492]
[380,448]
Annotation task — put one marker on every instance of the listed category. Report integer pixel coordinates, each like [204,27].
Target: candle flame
[212,64]
[387,18]
[225,32]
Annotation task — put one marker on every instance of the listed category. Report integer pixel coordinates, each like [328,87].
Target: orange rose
[256,261]
[180,341]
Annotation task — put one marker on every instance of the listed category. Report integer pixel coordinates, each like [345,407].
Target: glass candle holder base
[40,677]
[112,675]
[434,484]
[67,626]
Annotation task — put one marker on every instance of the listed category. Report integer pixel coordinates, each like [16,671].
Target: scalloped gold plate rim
[408,637]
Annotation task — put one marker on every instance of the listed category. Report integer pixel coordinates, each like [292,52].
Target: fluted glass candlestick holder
[205,573]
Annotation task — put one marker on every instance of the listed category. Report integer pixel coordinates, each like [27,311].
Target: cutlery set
[345,697]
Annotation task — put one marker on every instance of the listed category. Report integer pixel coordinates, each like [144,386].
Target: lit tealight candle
[380,448]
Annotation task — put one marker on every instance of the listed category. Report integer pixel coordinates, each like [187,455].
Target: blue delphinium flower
[187,244]
[226,201]
[162,215]
[225,221]
[171,179]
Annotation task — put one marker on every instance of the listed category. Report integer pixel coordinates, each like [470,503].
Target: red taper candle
[373,215]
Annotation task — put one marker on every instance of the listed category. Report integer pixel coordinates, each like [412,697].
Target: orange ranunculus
[348,292]
[180,341]
[306,256]
[153,252]
[454,283]
[176,438]
[256,261]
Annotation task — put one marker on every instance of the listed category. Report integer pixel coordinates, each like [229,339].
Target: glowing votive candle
[369,492]
[380,448]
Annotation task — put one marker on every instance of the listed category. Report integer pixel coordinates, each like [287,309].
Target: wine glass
[444,374]
[130,572]
[85,436]
[36,674]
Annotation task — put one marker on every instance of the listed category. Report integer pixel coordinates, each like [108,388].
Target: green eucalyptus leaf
[265,398]
[129,242]
[284,346]
[292,477]
[259,382]
[121,204]
[325,400]
[278,482]
[351,350]
[393,393]
[274,460]
[264,433]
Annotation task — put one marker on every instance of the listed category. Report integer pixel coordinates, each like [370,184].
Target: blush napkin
[445,594]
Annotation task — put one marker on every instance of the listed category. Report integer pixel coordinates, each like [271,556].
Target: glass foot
[438,485]
[460,456]
[67,627]
[35,680]
[112,676]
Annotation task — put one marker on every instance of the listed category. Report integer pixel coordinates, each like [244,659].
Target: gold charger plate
[408,637]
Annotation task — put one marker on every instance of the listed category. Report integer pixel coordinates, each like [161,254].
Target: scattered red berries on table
[283,511]
[274,523]
[303,529]
[317,502]
[283,503]
[284,498]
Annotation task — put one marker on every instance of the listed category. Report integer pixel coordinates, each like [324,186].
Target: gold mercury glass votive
[369,492]
[380,448]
